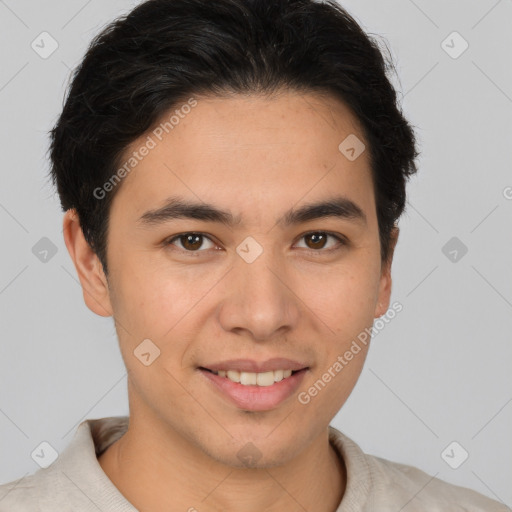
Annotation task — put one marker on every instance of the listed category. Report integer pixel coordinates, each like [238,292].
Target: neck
[165,471]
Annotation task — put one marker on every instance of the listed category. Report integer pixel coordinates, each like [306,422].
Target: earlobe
[88,267]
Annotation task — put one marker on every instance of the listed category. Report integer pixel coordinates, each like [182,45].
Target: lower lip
[256,398]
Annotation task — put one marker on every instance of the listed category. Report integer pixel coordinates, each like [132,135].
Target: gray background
[439,372]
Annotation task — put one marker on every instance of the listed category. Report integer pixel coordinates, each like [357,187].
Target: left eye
[318,240]
[315,241]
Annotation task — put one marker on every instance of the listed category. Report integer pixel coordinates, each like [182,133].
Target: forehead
[249,152]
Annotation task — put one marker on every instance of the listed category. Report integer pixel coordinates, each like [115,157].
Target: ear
[88,266]
[385,278]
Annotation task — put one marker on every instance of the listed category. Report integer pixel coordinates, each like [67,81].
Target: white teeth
[278,375]
[255,379]
[265,379]
[233,375]
[247,378]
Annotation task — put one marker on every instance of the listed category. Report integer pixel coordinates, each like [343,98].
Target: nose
[259,299]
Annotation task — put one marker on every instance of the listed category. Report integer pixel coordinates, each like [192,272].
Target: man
[232,173]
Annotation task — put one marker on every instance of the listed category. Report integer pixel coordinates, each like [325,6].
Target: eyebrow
[177,207]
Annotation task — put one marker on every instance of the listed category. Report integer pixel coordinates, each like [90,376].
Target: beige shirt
[76,482]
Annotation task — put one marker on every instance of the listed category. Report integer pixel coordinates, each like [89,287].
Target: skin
[256,156]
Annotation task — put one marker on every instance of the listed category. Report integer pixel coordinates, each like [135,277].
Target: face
[245,272]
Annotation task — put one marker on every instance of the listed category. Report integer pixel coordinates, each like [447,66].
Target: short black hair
[165,51]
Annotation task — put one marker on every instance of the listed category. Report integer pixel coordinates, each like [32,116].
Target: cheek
[346,309]
[161,302]
[141,306]
[345,295]
[152,307]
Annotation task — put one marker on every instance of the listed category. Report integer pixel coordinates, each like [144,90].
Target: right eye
[190,242]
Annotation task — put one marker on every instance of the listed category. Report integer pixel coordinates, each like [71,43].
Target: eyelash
[342,242]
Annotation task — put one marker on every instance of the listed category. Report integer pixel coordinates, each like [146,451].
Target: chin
[254,451]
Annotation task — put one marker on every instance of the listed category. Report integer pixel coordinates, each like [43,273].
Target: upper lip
[249,365]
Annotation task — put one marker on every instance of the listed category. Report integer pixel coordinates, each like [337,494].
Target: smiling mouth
[255,379]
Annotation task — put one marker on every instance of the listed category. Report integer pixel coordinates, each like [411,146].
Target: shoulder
[30,493]
[425,492]
[75,479]
[374,483]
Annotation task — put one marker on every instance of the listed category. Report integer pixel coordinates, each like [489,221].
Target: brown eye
[318,240]
[190,242]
